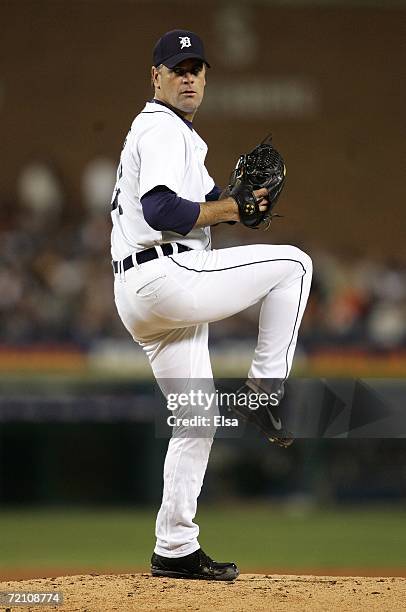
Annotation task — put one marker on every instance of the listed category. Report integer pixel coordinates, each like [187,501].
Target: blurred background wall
[325,80]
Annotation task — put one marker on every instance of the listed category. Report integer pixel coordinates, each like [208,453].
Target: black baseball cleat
[266,417]
[196,566]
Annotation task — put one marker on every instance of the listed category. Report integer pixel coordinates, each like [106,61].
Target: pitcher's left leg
[280,317]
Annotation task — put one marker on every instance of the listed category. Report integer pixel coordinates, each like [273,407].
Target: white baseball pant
[166,305]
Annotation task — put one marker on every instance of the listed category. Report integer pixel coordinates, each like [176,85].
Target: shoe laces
[205,559]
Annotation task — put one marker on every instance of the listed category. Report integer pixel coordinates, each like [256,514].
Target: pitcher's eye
[195,69]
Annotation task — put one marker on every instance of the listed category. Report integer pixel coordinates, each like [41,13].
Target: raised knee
[303,258]
[307,262]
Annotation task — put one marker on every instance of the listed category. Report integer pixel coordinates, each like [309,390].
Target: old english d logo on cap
[176,46]
[184,42]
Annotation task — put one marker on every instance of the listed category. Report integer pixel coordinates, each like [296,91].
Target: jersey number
[115,203]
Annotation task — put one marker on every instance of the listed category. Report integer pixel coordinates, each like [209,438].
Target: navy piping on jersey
[154,101]
[251,263]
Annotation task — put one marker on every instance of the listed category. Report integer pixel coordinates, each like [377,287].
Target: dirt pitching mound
[129,592]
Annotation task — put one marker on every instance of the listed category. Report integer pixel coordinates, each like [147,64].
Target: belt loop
[159,250]
[175,248]
[135,262]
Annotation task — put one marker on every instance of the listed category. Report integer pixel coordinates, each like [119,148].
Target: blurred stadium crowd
[56,277]
[56,289]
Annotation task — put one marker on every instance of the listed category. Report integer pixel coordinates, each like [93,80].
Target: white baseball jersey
[160,149]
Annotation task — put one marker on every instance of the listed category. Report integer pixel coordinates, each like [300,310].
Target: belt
[147,255]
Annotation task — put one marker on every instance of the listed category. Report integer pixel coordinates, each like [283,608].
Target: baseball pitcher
[169,284]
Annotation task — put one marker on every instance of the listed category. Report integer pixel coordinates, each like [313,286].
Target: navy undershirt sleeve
[165,211]
[214,194]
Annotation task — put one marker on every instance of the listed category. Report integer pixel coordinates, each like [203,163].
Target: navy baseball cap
[176,46]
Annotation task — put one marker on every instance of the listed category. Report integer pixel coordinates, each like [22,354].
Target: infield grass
[258,536]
